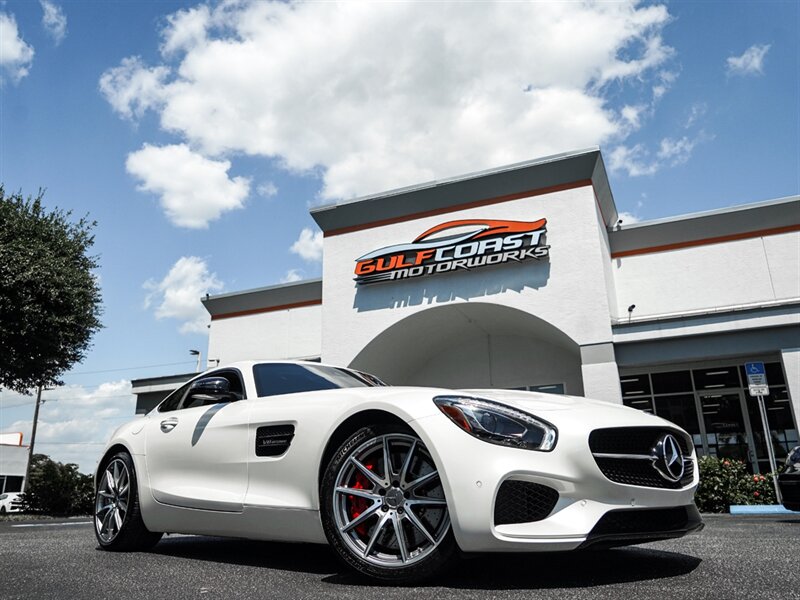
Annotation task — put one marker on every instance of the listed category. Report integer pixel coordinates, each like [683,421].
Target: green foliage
[57,489]
[724,482]
[49,297]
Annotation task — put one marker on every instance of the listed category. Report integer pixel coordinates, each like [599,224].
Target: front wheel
[383,506]
[118,523]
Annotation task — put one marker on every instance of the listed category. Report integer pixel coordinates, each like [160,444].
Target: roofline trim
[267,288]
[266,309]
[707,241]
[711,213]
[434,183]
[459,207]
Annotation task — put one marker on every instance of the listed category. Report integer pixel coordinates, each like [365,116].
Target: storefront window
[714,406]
[681,409]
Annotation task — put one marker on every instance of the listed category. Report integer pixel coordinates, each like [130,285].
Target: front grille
[633,440]
[523,502]
[631,448]
[641,472]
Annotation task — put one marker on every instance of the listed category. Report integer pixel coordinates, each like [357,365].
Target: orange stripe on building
[256,311]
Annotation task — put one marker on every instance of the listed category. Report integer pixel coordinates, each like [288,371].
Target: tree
[57,489]
[50,302]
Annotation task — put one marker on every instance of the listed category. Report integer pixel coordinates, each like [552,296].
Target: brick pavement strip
[749,557]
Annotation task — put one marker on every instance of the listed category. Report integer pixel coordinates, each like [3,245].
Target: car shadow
[309,558]
[558,570]
[475,572]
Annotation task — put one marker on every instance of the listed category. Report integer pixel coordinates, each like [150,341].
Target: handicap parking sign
[756,379]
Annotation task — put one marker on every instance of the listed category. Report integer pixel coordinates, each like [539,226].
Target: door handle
[168,425]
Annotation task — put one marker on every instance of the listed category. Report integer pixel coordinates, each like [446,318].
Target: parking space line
[52,524]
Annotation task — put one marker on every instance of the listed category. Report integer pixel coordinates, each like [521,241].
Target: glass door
[727,428]
[781,425]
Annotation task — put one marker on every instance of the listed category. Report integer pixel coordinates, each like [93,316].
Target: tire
[2,510]
[362,523]
[118,524]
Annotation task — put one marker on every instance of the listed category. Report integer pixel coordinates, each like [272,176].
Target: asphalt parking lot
[734,557]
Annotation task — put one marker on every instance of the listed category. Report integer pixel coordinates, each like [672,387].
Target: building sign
[463,244]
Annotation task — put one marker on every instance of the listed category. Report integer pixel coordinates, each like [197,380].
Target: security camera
[631,307]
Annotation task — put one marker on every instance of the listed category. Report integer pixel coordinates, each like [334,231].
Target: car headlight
[497,423]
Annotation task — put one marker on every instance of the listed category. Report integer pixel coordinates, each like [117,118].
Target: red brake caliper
[358,504]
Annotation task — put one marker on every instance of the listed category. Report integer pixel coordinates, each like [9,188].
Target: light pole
[33,435]
[199,356]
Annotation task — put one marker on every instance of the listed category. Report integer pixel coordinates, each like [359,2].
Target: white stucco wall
[715,275]
[499,361]
[13,460]
[291,333]
[567,290]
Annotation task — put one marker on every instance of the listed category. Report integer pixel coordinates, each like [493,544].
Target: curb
[761,509]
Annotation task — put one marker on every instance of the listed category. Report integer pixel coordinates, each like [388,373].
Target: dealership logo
[463,244]
[668,458]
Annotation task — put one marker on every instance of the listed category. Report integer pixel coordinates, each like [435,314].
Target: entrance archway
[474,345]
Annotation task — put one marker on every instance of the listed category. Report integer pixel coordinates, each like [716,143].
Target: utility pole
[33,435]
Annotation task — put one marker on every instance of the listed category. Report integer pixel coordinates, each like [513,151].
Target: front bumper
[623,527]
[473,472]
[789,484]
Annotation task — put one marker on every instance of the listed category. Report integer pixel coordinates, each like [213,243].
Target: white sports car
[395,479]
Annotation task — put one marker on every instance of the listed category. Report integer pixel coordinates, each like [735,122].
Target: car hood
[564,410]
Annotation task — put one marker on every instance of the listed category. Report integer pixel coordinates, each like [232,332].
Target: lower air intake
[523,502]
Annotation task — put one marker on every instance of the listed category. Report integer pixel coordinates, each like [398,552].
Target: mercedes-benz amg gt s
[395,479]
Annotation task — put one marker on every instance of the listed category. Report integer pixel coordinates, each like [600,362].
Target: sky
[198,135]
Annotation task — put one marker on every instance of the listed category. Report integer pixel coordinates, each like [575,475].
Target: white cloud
[634,159]
[194,190]
[637,160]
[697,112]
[267,190]
[676,151]
[185,30]
[308,246]
[177,296]
[751,62]
[131,88]
[74,421]
[379,95]
[16,56]
[54,21]
[291,276]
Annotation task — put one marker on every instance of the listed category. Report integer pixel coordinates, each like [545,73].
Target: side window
[174,399]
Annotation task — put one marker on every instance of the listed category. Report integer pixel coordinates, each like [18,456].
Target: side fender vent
[273,440]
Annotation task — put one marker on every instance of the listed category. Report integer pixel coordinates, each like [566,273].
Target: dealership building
[523,277]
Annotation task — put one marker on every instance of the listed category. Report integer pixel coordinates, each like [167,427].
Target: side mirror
[212,389]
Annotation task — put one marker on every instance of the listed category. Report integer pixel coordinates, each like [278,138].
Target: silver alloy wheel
[388,501]
[111,503]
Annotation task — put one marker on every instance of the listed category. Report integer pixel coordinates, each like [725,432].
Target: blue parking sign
[756,368]
[756,378]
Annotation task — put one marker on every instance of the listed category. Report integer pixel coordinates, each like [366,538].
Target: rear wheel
[383,506]
[118,523]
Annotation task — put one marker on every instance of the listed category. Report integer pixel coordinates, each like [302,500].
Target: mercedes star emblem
[668,458]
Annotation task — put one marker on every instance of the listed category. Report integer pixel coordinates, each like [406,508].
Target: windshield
[274,379]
